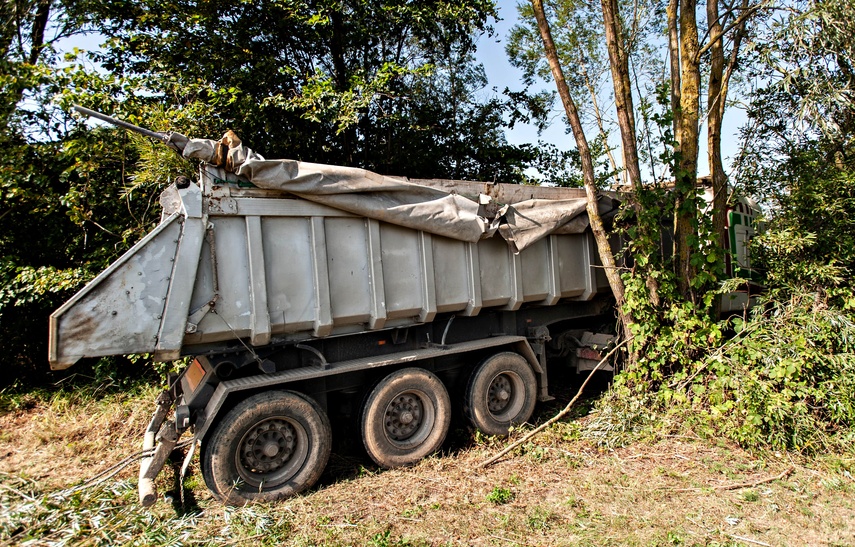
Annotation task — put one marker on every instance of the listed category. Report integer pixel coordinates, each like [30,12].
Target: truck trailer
[300,291]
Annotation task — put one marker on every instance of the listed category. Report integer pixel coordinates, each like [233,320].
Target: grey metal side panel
[593,269]
[233,313]
[259,316]
[515,272]
[170,336]
[377,282]
[474,280]
[451,274]
[553,272]
[323,316]
[348,263]
[494,258]
[119,311]
[535,271]
[403,276]
[285,207]
[290,274]
[574,265]
[428,282]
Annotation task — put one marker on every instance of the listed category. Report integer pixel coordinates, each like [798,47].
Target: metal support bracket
[165,437]
[537,338]
[199,313]
[324,364]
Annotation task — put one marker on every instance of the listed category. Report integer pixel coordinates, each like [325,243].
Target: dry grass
[557,490]
[63,438]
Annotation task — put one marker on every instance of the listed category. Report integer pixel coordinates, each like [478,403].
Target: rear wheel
[405,418]
[501,392]
[270,446]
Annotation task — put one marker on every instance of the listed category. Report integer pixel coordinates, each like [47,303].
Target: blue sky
[501,74]
[491,53]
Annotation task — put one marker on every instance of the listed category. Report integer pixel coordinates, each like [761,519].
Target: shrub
[785,380]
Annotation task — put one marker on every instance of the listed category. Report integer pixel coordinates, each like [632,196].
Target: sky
[501,74]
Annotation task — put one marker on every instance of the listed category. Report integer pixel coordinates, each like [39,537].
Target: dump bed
[232,262]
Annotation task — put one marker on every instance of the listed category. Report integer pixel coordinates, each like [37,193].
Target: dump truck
[298,292]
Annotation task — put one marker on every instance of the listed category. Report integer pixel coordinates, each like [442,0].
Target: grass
[560,489]
[500,495]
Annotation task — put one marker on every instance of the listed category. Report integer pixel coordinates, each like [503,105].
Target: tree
[386,85]
[798,149]
[344,82]
[49,241]
[597,227]
[659,285]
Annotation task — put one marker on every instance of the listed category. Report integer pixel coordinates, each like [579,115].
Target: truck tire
[501,391]
[270,446]
[405,418]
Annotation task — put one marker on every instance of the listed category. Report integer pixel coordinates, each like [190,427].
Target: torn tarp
[397,201]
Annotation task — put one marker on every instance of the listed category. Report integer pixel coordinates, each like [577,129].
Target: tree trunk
[37,36]
[605,251]
[674,63]
[719,82]
[685,214]
[619,63]
[715,104]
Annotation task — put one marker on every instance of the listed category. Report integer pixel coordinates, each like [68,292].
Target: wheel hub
[403,416]
[268,446]
[499,393]
[270,449]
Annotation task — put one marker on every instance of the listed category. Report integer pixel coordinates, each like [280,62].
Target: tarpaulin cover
[397,201]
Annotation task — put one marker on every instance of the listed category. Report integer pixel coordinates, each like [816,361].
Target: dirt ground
[556,490]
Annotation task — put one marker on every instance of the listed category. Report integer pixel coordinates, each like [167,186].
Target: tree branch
[37,37]
[738,21]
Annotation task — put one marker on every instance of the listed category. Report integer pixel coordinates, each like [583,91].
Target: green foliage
[386,85]
[500,495]
[810,243]
[787,379]
[579,37]
[783,376]
[670,330]
[621,416]
[30,284]
[811,51]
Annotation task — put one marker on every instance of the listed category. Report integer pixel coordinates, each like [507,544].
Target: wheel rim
[271,452]
[408,419]
[505,396]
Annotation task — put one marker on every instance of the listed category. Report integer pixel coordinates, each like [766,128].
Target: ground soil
[556,490]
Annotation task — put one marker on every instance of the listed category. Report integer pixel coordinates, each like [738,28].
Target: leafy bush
[810,244]
[785,380]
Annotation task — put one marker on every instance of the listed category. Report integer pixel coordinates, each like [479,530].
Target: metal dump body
[229,263]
